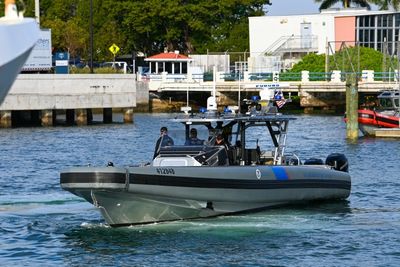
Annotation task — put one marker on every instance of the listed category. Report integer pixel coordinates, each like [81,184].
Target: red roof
[171,56]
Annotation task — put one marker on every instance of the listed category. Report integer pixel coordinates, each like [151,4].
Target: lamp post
[91,36]
[37,11]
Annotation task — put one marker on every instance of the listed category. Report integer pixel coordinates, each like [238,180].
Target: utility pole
[37,11]
[91,36]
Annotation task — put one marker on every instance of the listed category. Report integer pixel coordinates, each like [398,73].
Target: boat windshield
[386,102]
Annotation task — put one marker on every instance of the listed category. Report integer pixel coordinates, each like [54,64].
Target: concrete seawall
[49,93]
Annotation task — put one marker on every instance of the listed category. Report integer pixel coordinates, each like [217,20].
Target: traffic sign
[114,49]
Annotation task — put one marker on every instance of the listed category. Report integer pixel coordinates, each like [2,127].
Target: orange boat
[387,115]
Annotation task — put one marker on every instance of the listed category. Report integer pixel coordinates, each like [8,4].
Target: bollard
[128,115]
[47,118]
[81,117]
[107,115]
[5,119]
[352,106]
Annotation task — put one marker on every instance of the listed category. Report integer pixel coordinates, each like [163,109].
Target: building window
[374,30]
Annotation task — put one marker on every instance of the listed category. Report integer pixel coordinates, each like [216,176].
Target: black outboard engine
[313,161]
[338,161]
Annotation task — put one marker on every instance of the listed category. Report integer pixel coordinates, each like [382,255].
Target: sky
[294,7]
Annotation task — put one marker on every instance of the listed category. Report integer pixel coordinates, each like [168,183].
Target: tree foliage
[382,4]
[346,3]
[370,59]
[190,26]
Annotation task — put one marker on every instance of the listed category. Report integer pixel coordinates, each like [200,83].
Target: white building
[290,37]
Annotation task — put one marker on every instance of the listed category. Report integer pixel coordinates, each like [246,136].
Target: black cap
[163,129]
[193,130]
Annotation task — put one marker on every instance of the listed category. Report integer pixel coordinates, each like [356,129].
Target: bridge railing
[303,76]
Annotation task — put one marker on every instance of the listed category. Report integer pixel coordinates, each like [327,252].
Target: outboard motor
[338,161]
[313,161]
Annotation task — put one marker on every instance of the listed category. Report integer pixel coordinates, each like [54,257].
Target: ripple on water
[42,225]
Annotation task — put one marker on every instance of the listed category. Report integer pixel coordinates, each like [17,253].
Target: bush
[370,59]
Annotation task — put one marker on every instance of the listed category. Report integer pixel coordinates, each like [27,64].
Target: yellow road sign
[114,49]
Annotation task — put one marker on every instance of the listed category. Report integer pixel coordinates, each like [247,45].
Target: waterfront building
[288,38]
[171,62]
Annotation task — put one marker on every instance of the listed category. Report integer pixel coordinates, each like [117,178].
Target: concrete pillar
[336,76]
[367,76]
[246,76]
[107,115]
[352,106]
[275,76]
[220,76]
[128,115]
[305,76]
[164,76]
[5,119]
[81,117]
[189,75]
[46,118]
[70,116]
[89,115]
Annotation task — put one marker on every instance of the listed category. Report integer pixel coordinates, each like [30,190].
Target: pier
[41,97]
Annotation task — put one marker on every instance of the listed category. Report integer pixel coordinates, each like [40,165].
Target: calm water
[41,225]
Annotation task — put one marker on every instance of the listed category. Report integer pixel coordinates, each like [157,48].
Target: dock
[388,132]
[42,96]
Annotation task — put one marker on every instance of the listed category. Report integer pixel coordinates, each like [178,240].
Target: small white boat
[184,182]
[18,36]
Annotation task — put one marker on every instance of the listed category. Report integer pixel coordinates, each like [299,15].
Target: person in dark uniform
[193,140]
[222,155]
[163,140]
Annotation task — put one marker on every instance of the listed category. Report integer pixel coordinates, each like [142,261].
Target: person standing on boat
[163,140]
[193,140]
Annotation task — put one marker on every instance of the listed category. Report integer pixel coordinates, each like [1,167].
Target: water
[42,225]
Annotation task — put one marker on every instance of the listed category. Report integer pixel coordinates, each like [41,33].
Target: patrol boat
[186,182]
[386,115]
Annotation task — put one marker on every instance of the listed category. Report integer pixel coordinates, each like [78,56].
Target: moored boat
[209,179]
[386,115]
[18,36]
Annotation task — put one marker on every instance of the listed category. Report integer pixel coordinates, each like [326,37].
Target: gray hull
[139,195]
[9,72]
[18,38]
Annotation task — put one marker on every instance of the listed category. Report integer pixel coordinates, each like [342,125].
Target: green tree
[370,59]
[149,26]
[311,62]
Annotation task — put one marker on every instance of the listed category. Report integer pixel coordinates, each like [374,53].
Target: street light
[91,36]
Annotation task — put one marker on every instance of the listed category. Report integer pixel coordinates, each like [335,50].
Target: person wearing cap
[193,140]
[163,140]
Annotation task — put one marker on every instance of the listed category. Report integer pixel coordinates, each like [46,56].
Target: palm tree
[346,3]
[384,4]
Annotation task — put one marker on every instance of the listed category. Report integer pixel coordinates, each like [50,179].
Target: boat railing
[292,159]
[205,155]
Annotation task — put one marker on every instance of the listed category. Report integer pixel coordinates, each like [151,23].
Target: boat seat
[267,157]
[252,156]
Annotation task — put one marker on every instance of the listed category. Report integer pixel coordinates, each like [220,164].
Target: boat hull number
[165,171]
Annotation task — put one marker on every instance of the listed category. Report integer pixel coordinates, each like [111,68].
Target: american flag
[279,99]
